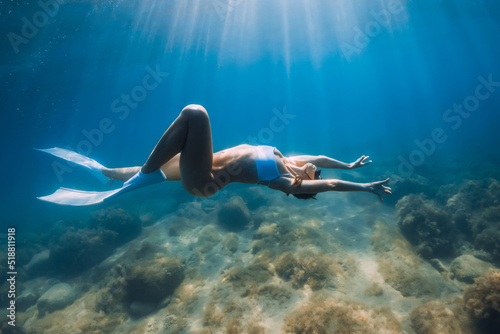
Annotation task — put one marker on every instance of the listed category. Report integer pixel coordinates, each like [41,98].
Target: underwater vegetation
[234,214]
[126,225]
[462,218]
[478,311]
[307,267]
[57,297]
[334,316]
[482,301]
[401,267]
[79,249]
[440,317]
[425,225]
[221,267]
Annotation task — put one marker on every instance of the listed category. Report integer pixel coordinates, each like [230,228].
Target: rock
[208,238]
[126,225]
[374,290]
[438,265]
[154,280]
[466,267]
[38,262]
[426,225]
[25,300]
[234,215]
[57,297]
[76,251]
[255,198]
[230,243]
[482,301]
[140,309]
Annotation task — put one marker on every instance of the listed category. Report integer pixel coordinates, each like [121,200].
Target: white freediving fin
[93,166]
[73,197]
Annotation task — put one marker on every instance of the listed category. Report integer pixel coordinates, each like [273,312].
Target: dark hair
[317,176]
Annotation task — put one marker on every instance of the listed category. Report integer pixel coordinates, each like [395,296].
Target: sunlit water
[413,84]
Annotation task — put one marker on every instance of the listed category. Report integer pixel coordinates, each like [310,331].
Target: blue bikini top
[267,169]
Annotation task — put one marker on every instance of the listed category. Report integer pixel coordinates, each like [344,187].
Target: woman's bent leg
[189,134]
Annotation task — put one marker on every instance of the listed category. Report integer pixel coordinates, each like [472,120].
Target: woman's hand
[379,189]
[360,162]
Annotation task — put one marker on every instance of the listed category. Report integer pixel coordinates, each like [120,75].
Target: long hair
[317,176]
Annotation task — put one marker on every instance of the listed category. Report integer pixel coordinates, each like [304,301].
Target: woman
[184,153]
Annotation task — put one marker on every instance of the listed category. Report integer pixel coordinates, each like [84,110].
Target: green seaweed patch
[440,317]
[180,226]
[426,225]
[268,231]
[332,316]
[80,317]
[266,244]
[208,238]
[308,267]
[154,280]
[78,250]
[230,243]
[234,215]
[374,290]
[126,225]
[270,295]
[488,240]
[247,279]
[230,315]
[286,235]
[482,301]
[111,297]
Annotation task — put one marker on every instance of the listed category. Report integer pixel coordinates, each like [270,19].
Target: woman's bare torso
[235,164]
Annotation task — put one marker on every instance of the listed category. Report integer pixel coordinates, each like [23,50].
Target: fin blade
[73,197]
[69,156]
[93,166]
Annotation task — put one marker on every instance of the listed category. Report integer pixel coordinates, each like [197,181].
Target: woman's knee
[195,110]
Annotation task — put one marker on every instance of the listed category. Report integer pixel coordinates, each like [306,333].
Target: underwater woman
[184,153]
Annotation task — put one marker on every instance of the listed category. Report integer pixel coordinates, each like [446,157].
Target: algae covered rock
[427,226]
[482,300]
[234,215]
[466,268]
[401,267]
[439,317]
[489,241]
[331,316]
[25,300]
[310,268]
[374,290]
[57,297]
[154,280]
[39,262]
[230,243]
[79,250]
[126,225]
[208,238]
[247,279]
[139,308]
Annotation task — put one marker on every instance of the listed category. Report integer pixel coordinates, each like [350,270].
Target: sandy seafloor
[251,260]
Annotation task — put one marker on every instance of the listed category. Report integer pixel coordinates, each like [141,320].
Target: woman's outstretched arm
[323,161]
[285,184]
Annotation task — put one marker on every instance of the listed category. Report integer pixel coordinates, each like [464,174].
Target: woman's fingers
[364,160]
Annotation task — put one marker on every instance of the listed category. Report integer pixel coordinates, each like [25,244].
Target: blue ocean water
[355,78]
[414,84]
